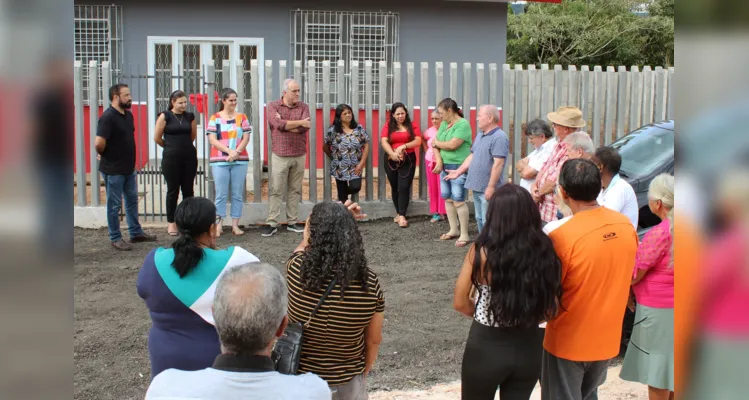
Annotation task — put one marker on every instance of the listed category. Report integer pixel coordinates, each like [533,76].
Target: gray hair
[662,188]
[492,110]
[249,306]
[287,83]
[539,127]
[581,141]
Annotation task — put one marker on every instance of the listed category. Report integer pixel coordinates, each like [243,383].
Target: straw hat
[570,117]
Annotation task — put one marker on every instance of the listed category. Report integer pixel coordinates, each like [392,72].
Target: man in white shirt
[541,136]
[616,194]
[250,313]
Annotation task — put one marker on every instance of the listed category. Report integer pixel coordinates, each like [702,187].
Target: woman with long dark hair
[229,134]
[509,284]
[451,148]
[176,130]
[350,318]
[400,138]
[177,285]
[347,144]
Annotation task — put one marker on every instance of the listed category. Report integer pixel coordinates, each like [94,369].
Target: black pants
[401,177]
[179,172]
[346,188]
[508,358]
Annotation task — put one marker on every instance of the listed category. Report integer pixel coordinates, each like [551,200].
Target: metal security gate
[151,183]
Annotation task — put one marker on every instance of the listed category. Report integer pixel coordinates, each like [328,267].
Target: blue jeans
[223,176]
[480,205]
[118,186]
[453,189]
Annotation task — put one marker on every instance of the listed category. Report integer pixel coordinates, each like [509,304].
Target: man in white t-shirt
[541,136]
[250,313]
[616,193]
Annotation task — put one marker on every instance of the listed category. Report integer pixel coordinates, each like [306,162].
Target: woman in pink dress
[436,202]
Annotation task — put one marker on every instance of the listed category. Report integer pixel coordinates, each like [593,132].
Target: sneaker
[143,237]
[268,231]
[121,245]
[298,228]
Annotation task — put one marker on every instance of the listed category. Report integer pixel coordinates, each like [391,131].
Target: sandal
[461,243]
[219,226]
[448,236]
[435,218]
[234,232]
[172,233]
[402,222]
[396,218]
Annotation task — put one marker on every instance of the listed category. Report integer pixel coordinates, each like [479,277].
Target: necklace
[178,118]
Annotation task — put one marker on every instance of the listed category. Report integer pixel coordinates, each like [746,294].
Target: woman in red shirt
[400,138]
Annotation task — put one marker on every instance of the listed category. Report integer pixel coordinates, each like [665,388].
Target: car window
[645,150]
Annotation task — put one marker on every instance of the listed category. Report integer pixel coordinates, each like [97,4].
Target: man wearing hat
[565,120]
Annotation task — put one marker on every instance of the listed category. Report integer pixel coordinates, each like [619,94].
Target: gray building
[180,36]
[169,41]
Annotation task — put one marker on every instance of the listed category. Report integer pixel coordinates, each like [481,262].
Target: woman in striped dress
[342,340]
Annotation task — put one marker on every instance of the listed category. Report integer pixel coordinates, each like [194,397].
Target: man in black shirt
[115,143]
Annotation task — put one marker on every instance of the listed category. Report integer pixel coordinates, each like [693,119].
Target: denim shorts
[453,189]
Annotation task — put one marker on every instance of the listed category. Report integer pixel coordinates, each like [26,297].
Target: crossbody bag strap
[319,303]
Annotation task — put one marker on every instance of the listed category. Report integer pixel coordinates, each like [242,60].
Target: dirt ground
[423,337]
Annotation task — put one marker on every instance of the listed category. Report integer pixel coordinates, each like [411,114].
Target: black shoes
[268,231]
[298,228]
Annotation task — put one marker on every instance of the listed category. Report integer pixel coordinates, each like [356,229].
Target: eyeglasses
[218,220]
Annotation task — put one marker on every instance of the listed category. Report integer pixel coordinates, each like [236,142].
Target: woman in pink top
[650,354]
[436,202]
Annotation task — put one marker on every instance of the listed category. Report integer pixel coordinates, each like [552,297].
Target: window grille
[98,36]
[348,36]
[247,54]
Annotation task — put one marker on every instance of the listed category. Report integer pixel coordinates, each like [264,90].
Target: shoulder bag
[288,348]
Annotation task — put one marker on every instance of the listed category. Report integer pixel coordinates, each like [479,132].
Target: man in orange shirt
[597,247]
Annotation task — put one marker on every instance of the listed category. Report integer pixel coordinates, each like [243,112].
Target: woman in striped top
[341,342]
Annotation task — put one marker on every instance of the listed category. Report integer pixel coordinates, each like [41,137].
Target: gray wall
[430,31]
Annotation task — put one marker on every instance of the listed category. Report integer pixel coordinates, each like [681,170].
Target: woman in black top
[176,131]
[510,283]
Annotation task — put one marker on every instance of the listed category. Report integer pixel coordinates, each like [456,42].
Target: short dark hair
[609,158]
[581,179]
[539,126]
[115,90]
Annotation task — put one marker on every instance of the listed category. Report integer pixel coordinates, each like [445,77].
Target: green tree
[591,32]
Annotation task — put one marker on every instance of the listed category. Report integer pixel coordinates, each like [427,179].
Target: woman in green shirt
[451,147]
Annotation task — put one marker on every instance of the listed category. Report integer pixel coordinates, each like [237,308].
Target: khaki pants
[288,174]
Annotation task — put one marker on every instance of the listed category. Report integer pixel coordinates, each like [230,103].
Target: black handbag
[288,348]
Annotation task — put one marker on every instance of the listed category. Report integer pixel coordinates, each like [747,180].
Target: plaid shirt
[550,171]
[285,143]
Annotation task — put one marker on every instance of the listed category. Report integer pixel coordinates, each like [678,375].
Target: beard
[127,105]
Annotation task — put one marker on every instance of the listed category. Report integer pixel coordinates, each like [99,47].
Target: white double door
[178,63]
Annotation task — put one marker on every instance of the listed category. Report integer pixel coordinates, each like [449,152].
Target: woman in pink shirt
[436,202]
[650,354]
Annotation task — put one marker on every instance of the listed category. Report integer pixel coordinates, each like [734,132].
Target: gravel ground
[423,337]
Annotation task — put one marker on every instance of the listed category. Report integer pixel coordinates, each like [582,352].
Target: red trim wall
[140,115]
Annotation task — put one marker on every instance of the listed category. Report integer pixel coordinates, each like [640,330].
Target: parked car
[646,153]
